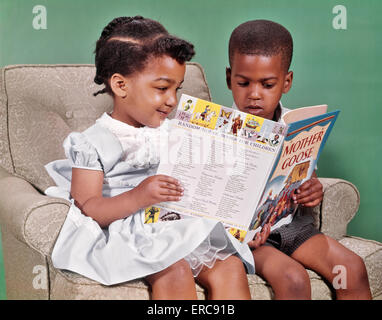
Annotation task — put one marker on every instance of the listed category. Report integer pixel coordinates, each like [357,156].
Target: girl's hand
[309,194]
[260,237]
[158,188]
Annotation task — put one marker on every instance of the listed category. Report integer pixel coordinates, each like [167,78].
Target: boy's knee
[354,269]
[295,279]
[350,278]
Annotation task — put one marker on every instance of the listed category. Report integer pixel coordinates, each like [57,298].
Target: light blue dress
[129,249]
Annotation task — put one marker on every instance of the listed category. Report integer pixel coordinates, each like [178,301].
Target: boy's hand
[158,188]
[260,237]
[310,193]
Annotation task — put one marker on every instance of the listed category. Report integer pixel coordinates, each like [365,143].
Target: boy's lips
[256,110]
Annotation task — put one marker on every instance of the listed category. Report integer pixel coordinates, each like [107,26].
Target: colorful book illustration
[239,168]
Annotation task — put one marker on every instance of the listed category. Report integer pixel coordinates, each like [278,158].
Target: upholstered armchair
[39,106]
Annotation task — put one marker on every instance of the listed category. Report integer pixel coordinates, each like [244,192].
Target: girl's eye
[162,88]
[179,88]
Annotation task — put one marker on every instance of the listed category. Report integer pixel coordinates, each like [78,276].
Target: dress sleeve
[81,153]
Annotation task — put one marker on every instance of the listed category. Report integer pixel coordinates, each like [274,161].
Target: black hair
[261,37]
[127,43]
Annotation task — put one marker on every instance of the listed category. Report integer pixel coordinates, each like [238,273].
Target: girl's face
[146,98]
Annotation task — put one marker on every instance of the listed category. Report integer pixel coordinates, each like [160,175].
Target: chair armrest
[31,217]
[339,205]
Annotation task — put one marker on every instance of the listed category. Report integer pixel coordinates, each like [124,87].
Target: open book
[239,168]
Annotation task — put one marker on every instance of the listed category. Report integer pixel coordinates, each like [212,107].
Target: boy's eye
[179,88]
[162,88]
[243,84]
[268,85]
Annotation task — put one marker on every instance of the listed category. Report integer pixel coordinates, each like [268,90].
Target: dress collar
[119,126]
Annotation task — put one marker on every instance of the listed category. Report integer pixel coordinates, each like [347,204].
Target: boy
[260,53]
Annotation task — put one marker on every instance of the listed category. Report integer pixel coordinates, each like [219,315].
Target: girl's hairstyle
[261,37]
[127,43]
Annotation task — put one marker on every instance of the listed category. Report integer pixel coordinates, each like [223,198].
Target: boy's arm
[310,193]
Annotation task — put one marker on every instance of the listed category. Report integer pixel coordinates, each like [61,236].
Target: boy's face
[258,82]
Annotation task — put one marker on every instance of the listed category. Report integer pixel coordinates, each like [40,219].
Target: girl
[110,174]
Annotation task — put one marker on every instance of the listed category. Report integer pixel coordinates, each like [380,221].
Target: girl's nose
[172,100]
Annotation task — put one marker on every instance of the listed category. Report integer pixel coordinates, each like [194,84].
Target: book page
[304,113]
[223,160]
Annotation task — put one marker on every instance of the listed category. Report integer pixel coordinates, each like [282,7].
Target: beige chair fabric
[39,106]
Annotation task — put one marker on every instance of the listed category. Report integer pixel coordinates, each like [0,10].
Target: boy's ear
[118,85]
[228,77]
[288,81]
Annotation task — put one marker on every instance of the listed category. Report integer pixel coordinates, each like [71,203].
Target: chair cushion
[69,285]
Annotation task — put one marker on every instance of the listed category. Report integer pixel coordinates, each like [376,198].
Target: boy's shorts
[289,237]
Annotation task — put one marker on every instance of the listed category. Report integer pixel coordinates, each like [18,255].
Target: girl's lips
[163,114]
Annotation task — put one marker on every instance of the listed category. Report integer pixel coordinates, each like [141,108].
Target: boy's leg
[344,269]
[226,280]
[173,283]
[288,278]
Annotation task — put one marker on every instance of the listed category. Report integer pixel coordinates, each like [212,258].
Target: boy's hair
[261,37]
[127,43]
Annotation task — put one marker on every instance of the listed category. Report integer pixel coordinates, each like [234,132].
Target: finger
[314,197]
[170,192]
[166,198]
[171,186]
[255,243]
[306,185]
[312,203]
[251,244]
[264,234]
[311,183]
[168,179]
[308,196]
[267,231]
[307,190]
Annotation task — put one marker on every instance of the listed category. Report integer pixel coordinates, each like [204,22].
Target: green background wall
[341,68]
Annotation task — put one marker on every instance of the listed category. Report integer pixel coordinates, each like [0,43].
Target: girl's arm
[86,190]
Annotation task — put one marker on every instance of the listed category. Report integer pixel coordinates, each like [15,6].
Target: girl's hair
[127,43]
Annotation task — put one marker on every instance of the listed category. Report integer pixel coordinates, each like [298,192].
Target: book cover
[295,164]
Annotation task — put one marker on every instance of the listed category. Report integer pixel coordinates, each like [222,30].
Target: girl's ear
[228,77]
[288,81]
[118,85]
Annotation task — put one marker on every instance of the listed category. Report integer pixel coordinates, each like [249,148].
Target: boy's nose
[254,92]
